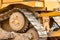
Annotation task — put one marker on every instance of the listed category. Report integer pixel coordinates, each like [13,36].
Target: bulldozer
[29,19]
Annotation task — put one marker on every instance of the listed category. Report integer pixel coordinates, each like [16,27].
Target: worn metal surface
[41,31]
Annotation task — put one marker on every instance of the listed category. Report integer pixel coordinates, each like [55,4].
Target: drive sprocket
[16,21]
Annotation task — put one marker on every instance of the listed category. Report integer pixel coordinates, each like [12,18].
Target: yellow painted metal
[58,0]
[29,3]
[50,14]
[7,1]
[51,4]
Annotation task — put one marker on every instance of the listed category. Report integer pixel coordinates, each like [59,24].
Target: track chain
[41,31]
[34,22]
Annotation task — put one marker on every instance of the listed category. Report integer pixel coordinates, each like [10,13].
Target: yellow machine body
[49,4]
[24,4]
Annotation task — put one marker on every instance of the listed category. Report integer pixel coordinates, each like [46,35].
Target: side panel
[7,1]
